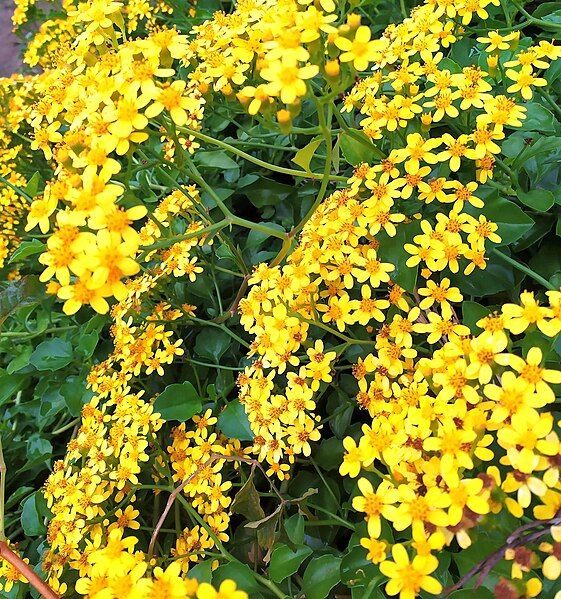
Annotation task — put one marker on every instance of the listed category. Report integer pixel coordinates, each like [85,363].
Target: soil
[9,47]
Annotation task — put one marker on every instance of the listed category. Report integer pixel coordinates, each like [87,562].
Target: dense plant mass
[281,304]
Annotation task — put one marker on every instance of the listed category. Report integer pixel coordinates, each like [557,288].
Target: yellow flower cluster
[14,107]
[91,106]
[120,570]
[93,492]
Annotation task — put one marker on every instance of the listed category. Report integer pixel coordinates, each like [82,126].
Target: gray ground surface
[9,53]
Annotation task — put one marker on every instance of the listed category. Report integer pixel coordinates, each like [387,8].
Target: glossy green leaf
[285,562]
[392,250]
[215,159]
[52,354]
[27,249]
[178,402]
[241,573]
[233,422]
[513,222]
[10,384]
[357,147]
[304,156]
[212,344]
[321,575]
[24,292]
[537,199]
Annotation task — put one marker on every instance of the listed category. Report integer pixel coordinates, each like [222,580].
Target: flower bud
[332,70]
[285,120]
[353,20]
[492,63]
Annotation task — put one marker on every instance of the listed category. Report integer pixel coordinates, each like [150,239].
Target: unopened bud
[426,120]
[285,120]
[353,20]
[332,69]
[492,63]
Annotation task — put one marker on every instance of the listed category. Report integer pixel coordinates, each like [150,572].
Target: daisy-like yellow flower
[361,50]
[409,577]
[287,79]
[524,80]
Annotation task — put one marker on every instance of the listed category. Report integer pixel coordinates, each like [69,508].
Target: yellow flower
[171,98]
[497,42]
[440,293]
[227,590]
[375,504]
[523,82]
[39,213]
[46,136]
[361,51]
[408,578]
[287,79]
[518,318]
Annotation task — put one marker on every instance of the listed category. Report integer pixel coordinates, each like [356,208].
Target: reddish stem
[15,560]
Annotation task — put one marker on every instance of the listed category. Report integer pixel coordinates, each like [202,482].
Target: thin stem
[17,189]
[257,161]
[64,428]
[164,243]
[523,268]
[544,94]
[29,335]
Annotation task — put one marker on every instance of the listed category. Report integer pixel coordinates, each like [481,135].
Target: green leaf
[392,251]
[212,344]
[304,156]
[9,385]
[498,276]
[471,313]
[26,249]
[33,514]
[202,571]
[356,568]
[25,292]
[52,354]
[513,222]
[321,575]
[267,192]
[75,394]
[543,145]
[38,447]
[178,402]
[285,562]
[538,199]
[32,187]
[355,146]
[246,501]
[233,422]
[294,527]
[215,159]
[539,118]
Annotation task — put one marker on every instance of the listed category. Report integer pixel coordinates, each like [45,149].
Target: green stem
[257,161]
[165,243]
[220,367]
[523,268]
[236,220]
[17,189]
[64,428]
[28,335]
[544,94]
